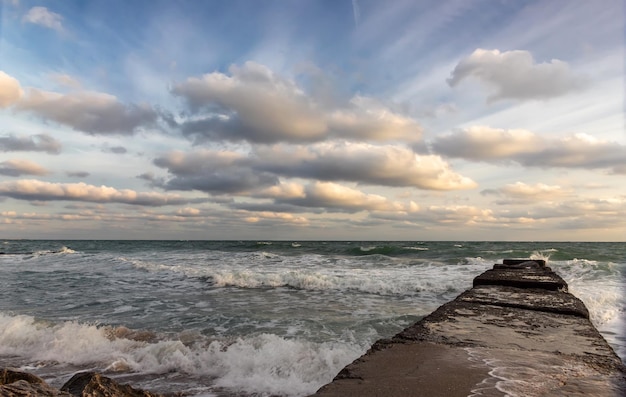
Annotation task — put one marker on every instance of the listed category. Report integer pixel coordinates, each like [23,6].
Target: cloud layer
[32,189]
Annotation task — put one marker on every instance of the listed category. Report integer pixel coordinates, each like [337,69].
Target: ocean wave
[372,274]
[385,250]
[264,364]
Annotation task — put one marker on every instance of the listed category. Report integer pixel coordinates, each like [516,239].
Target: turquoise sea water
[241,318]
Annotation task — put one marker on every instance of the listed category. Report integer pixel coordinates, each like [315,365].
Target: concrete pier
[517,332]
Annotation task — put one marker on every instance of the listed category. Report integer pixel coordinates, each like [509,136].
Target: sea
[253,318]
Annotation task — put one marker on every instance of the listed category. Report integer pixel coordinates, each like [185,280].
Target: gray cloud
[256,105]
[273,207]
[34,143]
[212,172]
[77,174]
[90,112]
[21,167]
[516,75]
[115,149]
[532,150]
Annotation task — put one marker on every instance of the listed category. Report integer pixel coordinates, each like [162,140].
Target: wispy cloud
[356,12]
[44,17]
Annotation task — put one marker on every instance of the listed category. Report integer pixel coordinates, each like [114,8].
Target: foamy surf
[262,364]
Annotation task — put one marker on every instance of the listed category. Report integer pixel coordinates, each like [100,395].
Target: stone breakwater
[517,332]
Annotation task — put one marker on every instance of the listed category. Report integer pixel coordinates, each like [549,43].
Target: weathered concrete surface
[518,330]
[526,298]
[543,278]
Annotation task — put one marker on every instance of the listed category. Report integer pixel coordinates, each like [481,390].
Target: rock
[17,383]
[92,384]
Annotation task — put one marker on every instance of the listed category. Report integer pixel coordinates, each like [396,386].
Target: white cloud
[21,167]
[10,90]
[30,189]
[256,105]
[516,75]
[281,217]
[482,143]
[44,17]
[333,196]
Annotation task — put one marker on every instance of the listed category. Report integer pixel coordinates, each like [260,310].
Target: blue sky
[408,120]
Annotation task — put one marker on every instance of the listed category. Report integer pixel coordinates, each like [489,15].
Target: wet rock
[15,383]
[92,384]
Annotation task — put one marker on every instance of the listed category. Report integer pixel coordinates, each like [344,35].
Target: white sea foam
[391,280]
[533,375]
[62,251]
[263,364]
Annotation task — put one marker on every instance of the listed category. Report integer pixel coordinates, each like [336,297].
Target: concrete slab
[524,298]
[493,340]
[522,278]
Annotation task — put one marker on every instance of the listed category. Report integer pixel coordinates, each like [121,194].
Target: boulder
[15,383]
[92,384]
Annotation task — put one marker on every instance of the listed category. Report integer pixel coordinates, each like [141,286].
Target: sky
[313,120]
